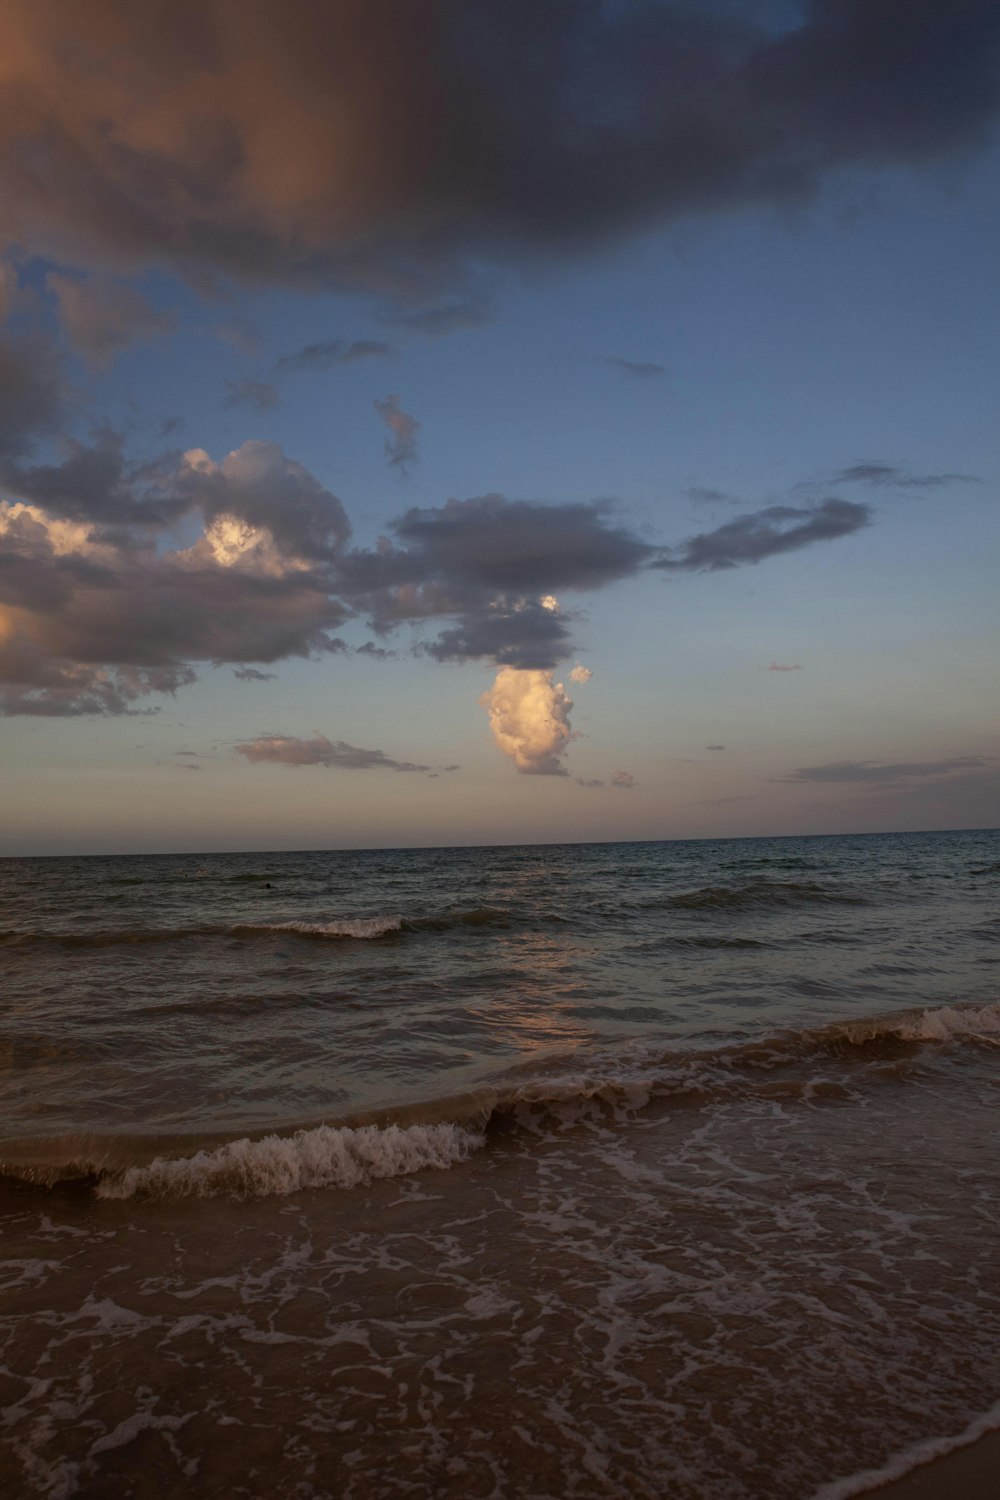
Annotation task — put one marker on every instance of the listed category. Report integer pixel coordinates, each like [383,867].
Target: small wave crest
[946,1023]
[328,1156]
[347,927]
[357,928]
[761,893]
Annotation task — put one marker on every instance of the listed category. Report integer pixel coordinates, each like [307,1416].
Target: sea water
[655,1169]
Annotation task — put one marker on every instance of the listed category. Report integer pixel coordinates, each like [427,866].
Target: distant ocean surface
[651,1169]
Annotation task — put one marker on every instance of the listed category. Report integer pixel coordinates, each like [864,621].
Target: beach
[700,1202]
[972,1471]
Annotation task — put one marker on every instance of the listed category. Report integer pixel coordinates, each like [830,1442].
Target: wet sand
[972,1472]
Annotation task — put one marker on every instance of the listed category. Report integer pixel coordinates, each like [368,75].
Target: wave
[327,1156]
[760,893]
[809,1066]
[349,927]
[357,928]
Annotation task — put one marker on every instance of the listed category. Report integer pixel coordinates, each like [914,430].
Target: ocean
[647,1170]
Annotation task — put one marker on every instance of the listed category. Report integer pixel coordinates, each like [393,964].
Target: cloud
[251,674]
[96,613]
[437,321]
[893,476]
[766,533]
[329,352]
[580,674]
[639,369]
[401,445]
[103,317]
[781,666]
[272,495]
[491,563]
[116,577]
[529,716]
[389,146]
[240,333]
[255,395]
[8,290]
[715,747]
[286,750]
[590,785]
[93,483]
[508,547]
[31,395]
[703,495]
[102,602]
[894,773]
[718,801]
[624,780]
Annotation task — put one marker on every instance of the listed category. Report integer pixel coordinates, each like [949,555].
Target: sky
[492,421]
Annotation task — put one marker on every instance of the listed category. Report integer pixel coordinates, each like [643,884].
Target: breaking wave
[356,928]
[327,1156]
[827,1063]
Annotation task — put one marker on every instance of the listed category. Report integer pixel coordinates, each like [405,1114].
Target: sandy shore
[972,1472]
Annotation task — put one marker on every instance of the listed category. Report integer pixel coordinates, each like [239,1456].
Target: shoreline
[968,1465]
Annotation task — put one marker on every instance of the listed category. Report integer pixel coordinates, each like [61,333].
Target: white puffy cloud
[529,715]
[580,674]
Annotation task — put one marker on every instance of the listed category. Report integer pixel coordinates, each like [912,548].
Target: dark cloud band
[384,144]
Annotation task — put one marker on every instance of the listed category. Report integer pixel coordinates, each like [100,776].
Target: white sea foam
[950,1021]
[356,927]
[325,1157]
[942,1024]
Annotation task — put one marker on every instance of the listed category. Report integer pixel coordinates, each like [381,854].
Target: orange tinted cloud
[375,142]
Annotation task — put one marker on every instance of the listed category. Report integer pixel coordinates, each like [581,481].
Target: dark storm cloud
[892,476]
[286,750]
[897,773]
[766,533]
[383,144]
[638,369]
[324,355]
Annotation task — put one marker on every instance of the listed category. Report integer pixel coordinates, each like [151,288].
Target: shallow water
[651,1169]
